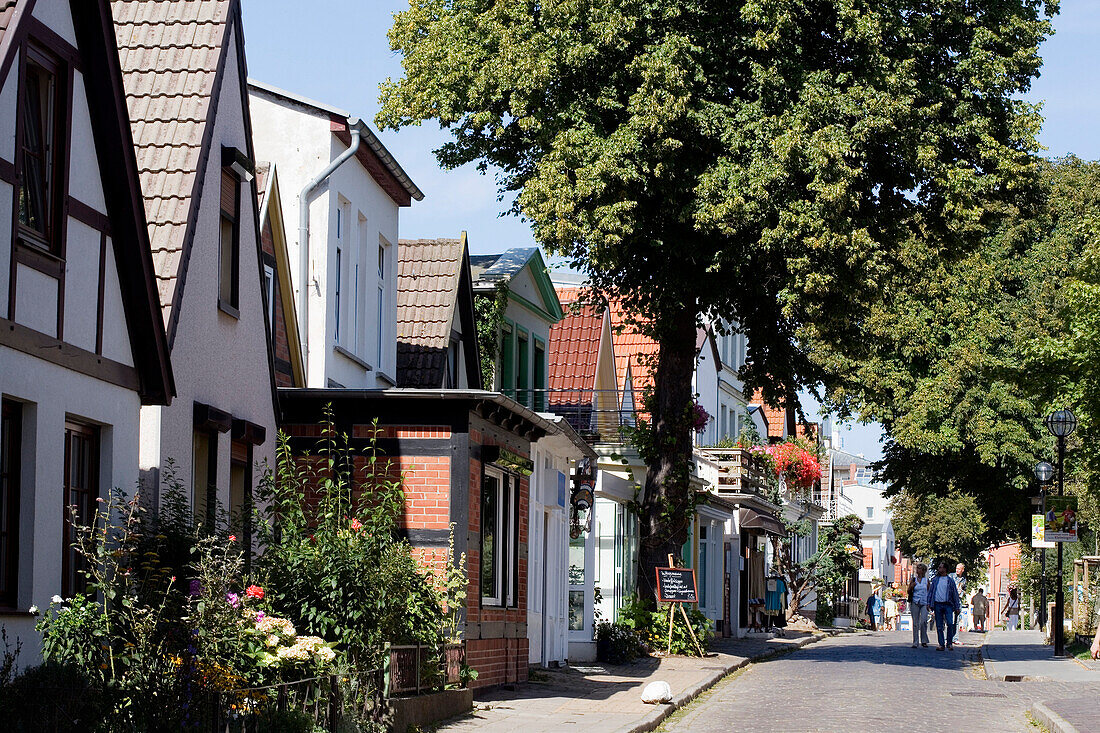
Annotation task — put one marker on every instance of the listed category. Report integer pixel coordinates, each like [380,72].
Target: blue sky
[336,52]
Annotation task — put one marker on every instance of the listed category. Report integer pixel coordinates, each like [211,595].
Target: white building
[345,281]
[183,71]
[82,344]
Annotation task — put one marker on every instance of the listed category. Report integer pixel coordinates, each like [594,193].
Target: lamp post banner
[1038,533]
[1060,520]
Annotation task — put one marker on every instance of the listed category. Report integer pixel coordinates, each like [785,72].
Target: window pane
[81,490]
[576,610]
[490,503]
[226,289]
[38,132]
[10,443]
[202,479]
[339,278]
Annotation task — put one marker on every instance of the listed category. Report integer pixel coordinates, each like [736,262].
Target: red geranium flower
[254,591]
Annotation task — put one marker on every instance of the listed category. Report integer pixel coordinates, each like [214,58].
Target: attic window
[40,132]
[236,169]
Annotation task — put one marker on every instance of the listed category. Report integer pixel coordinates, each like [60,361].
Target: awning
[752,519]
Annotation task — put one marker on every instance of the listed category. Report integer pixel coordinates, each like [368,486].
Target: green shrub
[616,644]
[334,562]
[651,627]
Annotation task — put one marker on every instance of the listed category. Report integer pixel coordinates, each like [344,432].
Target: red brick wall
[501,657]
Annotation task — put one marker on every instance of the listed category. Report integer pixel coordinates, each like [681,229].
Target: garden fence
[420,668]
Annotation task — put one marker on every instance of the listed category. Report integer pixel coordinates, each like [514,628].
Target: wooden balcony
[737,470]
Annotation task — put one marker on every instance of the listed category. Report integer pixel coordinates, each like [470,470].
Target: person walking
[979,605]
[962,615]
[918,608]
[872,609]
[891,614]
[946,605]
[1012,610]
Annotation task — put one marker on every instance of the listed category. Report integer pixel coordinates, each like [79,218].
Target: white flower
[33,610]
[272,640]
[57,599]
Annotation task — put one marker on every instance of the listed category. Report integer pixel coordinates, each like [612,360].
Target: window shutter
[229,193]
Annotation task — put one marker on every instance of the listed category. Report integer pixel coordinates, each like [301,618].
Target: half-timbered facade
[82,344]
[184,74]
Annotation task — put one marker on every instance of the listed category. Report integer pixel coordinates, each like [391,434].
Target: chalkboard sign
[676,585]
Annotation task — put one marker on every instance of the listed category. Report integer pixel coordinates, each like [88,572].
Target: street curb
[1054,722]
[658,716]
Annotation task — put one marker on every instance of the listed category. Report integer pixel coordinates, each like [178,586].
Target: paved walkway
[605,698]
[1023,657]
[873,682]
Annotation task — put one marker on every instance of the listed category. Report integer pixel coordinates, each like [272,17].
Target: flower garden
[178,627]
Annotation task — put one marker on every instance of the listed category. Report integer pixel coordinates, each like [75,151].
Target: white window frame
[269,291]
[506,566]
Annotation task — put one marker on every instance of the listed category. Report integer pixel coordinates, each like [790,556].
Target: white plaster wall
[53,393]
[8,96]
[300,141]
[5,245]
[36,300]
[217,359]
[56,14]
[82,284]
[85,182]
[116,335]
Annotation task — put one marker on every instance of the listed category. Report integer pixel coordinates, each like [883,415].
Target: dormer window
[236,169]
[39,130]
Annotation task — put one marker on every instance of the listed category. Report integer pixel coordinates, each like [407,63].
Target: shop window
[577,550]
[40,149]
[499,567]
[11,423]
[80,492]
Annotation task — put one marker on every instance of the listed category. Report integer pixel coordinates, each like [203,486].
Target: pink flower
[356,525]
[232,538]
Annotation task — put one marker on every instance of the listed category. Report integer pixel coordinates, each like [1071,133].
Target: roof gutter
[354,124]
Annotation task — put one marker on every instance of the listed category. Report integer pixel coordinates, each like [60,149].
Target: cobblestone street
[870,682]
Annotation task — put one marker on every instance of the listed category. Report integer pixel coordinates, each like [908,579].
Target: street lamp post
[1060,423]
[1044,472]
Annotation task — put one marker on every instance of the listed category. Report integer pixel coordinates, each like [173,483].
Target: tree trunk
[666,501]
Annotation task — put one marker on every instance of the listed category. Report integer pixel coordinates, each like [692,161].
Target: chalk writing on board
[676,585]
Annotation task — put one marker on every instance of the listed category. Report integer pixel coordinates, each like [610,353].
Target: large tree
[961,359]
[949,528]
[767,162]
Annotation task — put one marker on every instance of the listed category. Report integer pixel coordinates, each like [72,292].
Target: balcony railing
[596,414]
[738,470]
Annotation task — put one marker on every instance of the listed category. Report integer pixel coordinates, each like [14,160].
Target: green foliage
[616,644]
[489,311]
[333,562]
[949,528]
[772,164]
[651,626]
[828,570]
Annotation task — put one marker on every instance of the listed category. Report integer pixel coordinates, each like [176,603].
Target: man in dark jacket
[979,604]
[945,601]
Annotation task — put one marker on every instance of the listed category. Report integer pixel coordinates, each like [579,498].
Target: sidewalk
[600,697]
[1021,656]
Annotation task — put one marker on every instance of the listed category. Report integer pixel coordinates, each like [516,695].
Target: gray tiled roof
[169,52]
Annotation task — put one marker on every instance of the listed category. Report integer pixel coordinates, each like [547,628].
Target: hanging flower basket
[700,418]
[792,462]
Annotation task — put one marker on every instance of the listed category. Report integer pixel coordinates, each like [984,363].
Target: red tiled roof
[633,351]
[428,273]
[169,51]
[574,345]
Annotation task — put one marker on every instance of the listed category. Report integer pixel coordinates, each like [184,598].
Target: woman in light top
[918,591]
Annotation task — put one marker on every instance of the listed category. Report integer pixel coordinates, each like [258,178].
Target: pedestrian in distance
[946,605]
[979,605]
[918,605]
[959,578]
[1012,610]
[872,610]
[891,614]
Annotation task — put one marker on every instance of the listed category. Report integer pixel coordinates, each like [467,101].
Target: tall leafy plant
[334,563]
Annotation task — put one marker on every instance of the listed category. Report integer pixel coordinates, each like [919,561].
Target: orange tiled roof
[633,351]
[574,345]
[169,52]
